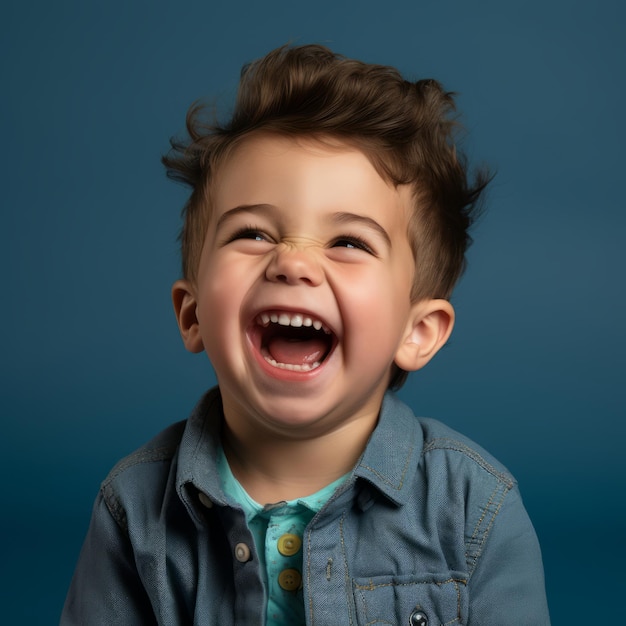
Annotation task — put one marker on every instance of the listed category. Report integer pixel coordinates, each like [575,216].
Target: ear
[428,328]
[184,300]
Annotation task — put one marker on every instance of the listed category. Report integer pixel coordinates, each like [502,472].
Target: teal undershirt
[275,526]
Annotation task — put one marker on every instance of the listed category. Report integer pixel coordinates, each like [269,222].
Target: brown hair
[405,128]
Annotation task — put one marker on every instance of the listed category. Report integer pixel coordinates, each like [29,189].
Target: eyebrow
[347,218]
[244,208]
[341,217]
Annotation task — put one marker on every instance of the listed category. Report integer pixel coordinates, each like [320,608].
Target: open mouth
[293,341]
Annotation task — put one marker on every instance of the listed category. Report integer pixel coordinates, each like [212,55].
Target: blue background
[92,364]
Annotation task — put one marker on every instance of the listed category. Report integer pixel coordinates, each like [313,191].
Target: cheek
[377,285]
[377,306]
[219,305]
[223,282]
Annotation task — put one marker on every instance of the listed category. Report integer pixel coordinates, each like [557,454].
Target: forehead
[307,172]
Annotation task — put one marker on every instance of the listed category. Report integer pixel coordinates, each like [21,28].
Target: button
[290,579]
[242,552]
[289,544]
[205,500]
[418,618]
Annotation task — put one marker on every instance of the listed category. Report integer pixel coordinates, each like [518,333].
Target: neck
[273,469]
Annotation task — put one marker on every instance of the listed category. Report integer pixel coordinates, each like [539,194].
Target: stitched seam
[377,621]
[444,443]
[490,525]
[472,547]
[163,453]
[372,587]
[143,455]
[405,469]
[475,545]
[458,604]
[345,565]
[482,517]
[308,577]
[473,560]
[115,508]
[152,455]
[364,601]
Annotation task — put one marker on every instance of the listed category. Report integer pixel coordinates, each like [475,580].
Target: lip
[259,320]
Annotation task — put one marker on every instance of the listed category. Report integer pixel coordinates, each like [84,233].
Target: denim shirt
[428,530]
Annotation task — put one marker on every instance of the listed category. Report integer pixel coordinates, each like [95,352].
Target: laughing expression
[302,296]
[295,342]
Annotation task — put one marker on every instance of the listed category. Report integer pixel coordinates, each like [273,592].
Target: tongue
[296,352]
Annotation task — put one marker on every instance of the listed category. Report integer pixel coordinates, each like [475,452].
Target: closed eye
[248,232]
[353,242]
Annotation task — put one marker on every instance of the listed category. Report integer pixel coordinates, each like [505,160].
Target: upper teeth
[296,320]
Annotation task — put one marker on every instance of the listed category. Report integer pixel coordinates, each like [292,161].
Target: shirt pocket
[411,600]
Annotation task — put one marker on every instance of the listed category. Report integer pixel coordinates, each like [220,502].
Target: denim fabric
[428,530]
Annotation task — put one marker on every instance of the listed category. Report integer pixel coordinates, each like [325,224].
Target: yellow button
[290,579]
[289,544]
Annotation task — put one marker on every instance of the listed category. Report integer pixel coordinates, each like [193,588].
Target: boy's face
[302,300]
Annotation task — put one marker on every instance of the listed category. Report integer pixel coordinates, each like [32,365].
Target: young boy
[325,230]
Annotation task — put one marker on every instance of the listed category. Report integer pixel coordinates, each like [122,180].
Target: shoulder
[145,481]
[462,477]
[442,444]
[468,487]
[163,449]
[159,449]
[403,441]
[143,474]
[406,453]
[447,476]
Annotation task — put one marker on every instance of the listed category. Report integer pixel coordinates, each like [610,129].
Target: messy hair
[406,129]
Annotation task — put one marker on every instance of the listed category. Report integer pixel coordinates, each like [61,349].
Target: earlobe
[429,327]
[185,303]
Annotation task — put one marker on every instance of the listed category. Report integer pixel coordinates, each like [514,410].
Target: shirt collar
[199,448]
[391,457]
[389,461]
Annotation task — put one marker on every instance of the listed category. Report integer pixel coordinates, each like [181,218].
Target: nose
[294,265]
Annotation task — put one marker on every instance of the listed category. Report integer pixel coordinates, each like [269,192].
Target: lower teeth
[306,367]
